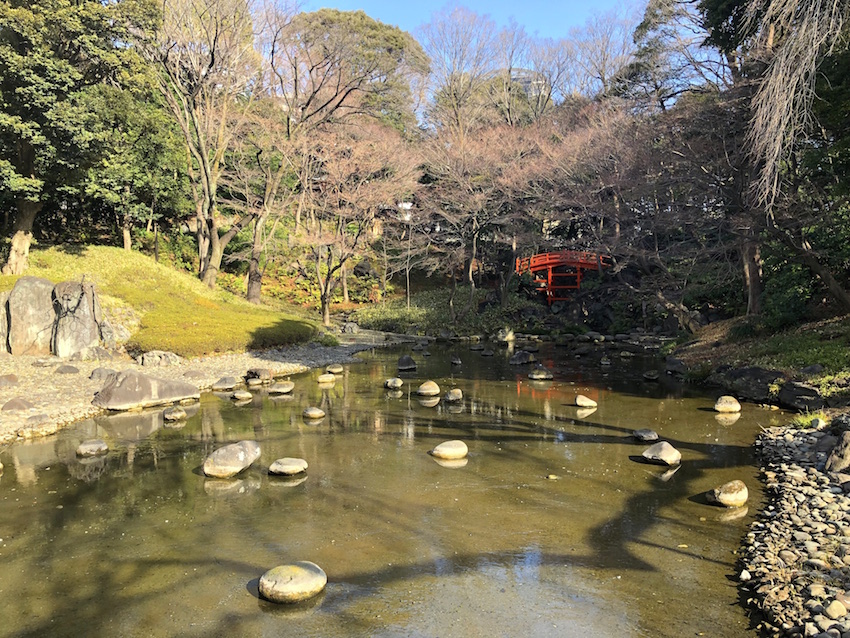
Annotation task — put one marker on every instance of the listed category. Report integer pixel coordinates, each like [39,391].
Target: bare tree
[603,46]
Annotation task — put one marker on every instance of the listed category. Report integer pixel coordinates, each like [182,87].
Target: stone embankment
[796,559]
[39,395]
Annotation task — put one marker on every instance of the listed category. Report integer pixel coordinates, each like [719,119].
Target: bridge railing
[581,259]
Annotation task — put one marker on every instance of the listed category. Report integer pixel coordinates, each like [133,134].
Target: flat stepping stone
[662,453]
[585,402]
[428,389]
[92,447]
[225,383]
[288,466]
[313,413]
[18,403]
[727,404]
[67,369]
[406,363]
[326,378]
[293,583]
[453,396]
[241,395]
[282,387]
[731,494]
[393,384]
[253,382]
[231,459]
[541,374]
[334,368]
[646,435]
[450,450]
[174,414]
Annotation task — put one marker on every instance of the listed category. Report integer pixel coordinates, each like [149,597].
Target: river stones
[450,450]
[731,494]
[326,379]
[175,413]
[393,384]
[662,453]
[406,363]
[584,402]
[521,357]
[727,404]
[453,396]
[241,395]
[541,374]
[225,384]
[292,583]
[313,413]
[428,389]
[646,435]
[254,382]
[334,368]
[92,447]
[288,466]
[231,459]
[281,387]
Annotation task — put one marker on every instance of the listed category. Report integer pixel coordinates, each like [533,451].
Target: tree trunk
[255,275]
[832,284]
[215,256]
[125,233]
[16,264]
[343,275]
[751,258]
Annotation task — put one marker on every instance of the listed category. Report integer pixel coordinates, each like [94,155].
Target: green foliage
[326,339]
[177,312]
[806,421]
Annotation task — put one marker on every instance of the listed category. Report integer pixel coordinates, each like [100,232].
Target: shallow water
[140,543]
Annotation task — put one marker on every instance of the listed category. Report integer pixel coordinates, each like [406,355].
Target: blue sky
[544,18]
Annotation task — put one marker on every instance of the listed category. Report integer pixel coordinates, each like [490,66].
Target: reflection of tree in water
[88,470]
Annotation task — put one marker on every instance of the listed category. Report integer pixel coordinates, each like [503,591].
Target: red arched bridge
[558,272]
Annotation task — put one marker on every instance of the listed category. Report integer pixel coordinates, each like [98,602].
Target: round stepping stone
[282,387]
[428,389]
[334,368]
[288,466]
[450,450]
[541,374]
[313,413]
[584,402]
[646,435]
[453,396]
[393,384]
[92,447]
[241,395]
[727,404]
[293,583]
[326,378]
[231,459]
[662,453]
[475,347]
[224,384]
[731,494]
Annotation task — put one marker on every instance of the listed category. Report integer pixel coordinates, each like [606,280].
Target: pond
[552,528]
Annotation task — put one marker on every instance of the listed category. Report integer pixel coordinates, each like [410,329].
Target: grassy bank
[165,309]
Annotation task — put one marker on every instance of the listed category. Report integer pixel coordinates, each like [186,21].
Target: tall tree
[51,53]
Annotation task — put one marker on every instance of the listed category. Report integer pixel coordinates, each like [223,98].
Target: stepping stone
[649,375]
[393,384]
[727,404]
[313,413]
[662,453]
[231,459]
[293,583]
[334,368]
[645,435]
[406,363]
[263,374]
[241,395]
[428,389]
[282,387]
[326,378]
[453,396]
[225,383]
[174,414]
[585,402]
[288,466]
[731,494]
[450,450]
[541,374]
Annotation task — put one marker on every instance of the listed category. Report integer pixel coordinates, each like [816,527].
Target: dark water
[140,543]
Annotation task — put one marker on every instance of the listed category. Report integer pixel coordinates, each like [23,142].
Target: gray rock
[8,380]
[394,383]
[406,363]
[4,322]
[101,374]
[18,403]
[799,396]
[646,435]
[263,374]
[675,366]
[651,375]
[254,382]
[584,402]
[241,395]
[839,458]
[282,387]
[453,396]
[541,374]
[752,383]
[92,447]
[428,389]
[225,384]
[67,369]
[487,352]
[292,583]
[662,453]
[231,459]
[313,413]
[450,450]
[129,389]
[175,413]
[727,404]
[156,358]
[521,357]
[350,328]
[78,317]
[288,466]
[731,494]
[31,316]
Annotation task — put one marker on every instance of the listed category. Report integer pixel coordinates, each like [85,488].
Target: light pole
[405,208]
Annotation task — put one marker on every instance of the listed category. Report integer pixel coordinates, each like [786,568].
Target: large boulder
[78,318]
[839,458]
[31,316]
[799,396]
[128,390]
[231,459]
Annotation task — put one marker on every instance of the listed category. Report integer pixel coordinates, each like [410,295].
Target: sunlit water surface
[139,543]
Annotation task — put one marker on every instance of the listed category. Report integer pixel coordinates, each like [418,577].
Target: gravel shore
[55,398]
[796,559]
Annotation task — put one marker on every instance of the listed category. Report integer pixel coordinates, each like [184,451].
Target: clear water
[141,543]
